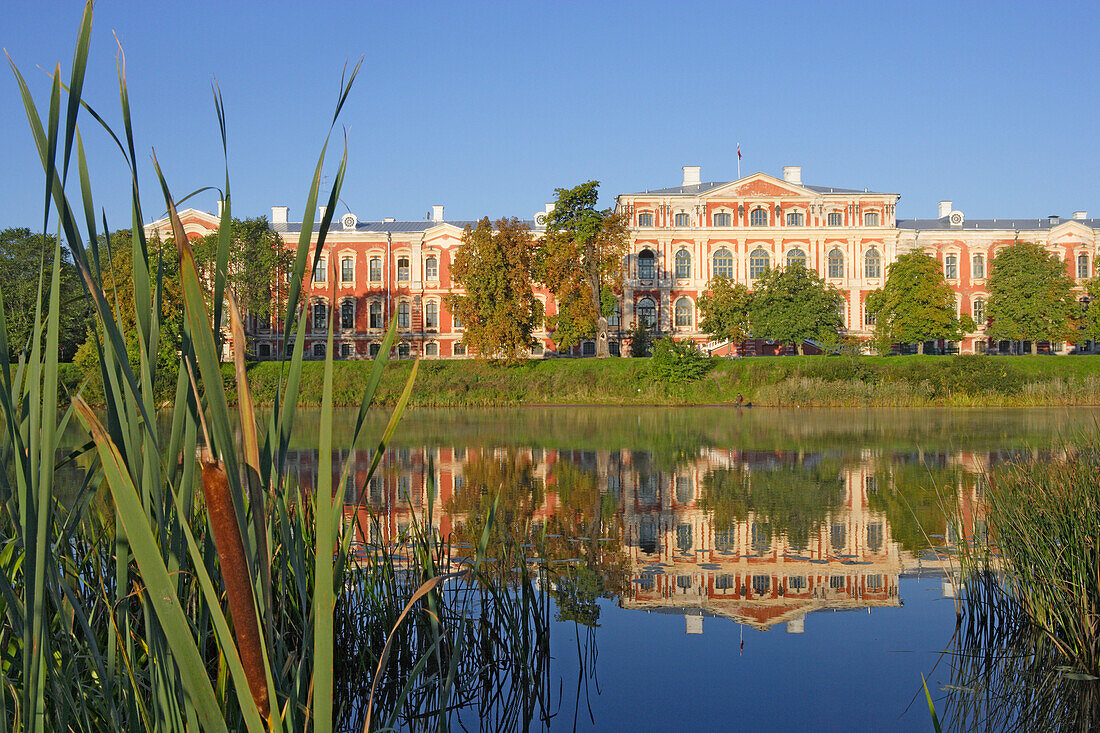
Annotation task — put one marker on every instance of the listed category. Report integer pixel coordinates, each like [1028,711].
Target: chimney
[1080,215]
[793,174]
[797,625]
[1054,219]
[320,213]
[388,220]
[437,212]
[945,208]
[691,175]
[279,214]
[221,208]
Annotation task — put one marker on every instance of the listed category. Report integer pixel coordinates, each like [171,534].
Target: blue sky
[487,107]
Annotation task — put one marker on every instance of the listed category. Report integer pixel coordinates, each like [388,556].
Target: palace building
[682,237]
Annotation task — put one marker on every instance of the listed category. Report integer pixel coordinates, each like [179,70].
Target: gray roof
[700,188]
[1024,225]
[383,227]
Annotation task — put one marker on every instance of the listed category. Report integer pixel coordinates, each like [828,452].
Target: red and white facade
[681,238]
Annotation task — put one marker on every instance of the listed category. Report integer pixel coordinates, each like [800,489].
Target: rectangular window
[403,269]
[977,267]
[835,219]
[838,582]
[682,220]
[870,219]
[796,582]
[320,271]
[721,220]
[794,219]
[431,268]
[347,269]
[645,220]
[951,267]
[376,269]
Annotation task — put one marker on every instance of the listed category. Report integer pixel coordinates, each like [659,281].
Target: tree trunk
[602,349]
[801,344]
[1034,348]
[920,348]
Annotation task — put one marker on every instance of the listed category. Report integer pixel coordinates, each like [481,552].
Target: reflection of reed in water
[1007,677]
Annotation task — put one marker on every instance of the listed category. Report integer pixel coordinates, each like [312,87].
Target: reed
[189,583]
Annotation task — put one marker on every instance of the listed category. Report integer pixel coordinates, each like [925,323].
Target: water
[717,569]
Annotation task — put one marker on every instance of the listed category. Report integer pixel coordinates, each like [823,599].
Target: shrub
[640,341]
[678,361]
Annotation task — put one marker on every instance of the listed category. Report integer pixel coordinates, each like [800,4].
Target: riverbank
[808,381]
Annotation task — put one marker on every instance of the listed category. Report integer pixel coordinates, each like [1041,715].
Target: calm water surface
[728,570]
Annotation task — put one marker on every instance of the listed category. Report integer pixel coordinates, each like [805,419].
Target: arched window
[403,314]
[977,311]
[431,314]
[795,219]
[403,350]
[403,268]
[758,218]
[683,264]
[320,316]
[977,267]
[431,349]
[723,263]
[645,219]
[431,268]
[376,269]
[951,267]
[347,269]
[647,313]
[722,219]
[836,263]
[870,219]
[375,314]
[347,314]
[872,263]
[796,257]
[759,262]
[835,219]
[1082,265]
[347,349]
[645,265]
[683,313]
[682,220]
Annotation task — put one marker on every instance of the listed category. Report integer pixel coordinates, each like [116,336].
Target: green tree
[915,305]
[118,286]
[24,257]
[499,311]
[579,257]
[1090,324]
[1030,296]
[792,304]
[640,341]
[725,310]
[258,261]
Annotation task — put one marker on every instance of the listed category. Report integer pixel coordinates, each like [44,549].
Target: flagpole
[739,161]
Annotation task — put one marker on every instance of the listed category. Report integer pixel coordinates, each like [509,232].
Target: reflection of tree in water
[785,499]
[505,477]
[908,496]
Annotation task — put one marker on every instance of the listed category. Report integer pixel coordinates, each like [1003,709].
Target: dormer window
[794,219]
[646,266]
[645,219]
[682,220]
[722,219]
[835,219]
[870,219]
[758,218]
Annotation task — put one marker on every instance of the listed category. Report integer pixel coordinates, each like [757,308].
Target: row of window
[759,263]
[404,320]
[759,218]
[977,266]
[374,269]
[347,349]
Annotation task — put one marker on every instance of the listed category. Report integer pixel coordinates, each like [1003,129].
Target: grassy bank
[899,381]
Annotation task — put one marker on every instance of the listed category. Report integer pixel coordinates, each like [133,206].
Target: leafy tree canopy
[916,304]
[26,257]
[1030,296]
[791,304]
[580,255]
[499,312]
[257,263]
[725,310]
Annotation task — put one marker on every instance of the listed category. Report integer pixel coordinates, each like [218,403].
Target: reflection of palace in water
[685,551]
